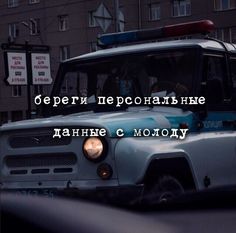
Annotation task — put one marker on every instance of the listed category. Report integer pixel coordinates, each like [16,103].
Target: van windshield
[161,74]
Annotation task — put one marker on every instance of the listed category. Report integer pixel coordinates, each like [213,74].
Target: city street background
[70,28]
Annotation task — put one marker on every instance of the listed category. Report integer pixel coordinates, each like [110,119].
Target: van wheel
[165,189]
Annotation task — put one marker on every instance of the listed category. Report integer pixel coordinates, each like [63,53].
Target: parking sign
[17,68]
[41,72]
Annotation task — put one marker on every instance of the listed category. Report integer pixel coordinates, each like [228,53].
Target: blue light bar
[107,40]
[203,26]
[117,38]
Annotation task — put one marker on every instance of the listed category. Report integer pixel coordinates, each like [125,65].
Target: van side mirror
[214,92]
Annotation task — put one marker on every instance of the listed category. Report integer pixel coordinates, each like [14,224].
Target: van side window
[233,76]
[233,72]
[214,75]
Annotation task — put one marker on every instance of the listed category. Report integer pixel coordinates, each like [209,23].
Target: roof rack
[183,29]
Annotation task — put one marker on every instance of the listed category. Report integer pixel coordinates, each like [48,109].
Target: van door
[219,123]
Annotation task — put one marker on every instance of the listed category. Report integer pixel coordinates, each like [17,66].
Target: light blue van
[131,147]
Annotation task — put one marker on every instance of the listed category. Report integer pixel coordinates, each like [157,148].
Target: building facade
[70,28]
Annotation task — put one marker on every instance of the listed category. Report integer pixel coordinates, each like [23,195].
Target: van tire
[163,190]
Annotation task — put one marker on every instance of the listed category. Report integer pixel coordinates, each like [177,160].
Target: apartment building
[70,28]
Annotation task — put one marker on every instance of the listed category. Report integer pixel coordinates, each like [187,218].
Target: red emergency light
[197,27]
[177,30]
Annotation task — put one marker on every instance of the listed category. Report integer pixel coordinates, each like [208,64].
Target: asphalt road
[44,215]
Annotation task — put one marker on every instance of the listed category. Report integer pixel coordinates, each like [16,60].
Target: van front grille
[40,160]
[37,140]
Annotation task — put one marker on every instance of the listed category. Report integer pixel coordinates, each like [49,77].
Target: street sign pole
[117,20]
[29,75]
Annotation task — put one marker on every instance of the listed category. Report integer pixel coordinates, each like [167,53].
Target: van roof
[186,43]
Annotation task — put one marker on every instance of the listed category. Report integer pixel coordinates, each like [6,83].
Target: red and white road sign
[41,71]
[17,68]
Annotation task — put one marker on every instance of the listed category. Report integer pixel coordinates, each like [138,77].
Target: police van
[136,120]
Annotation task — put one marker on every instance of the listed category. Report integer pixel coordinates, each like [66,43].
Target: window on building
[38,89]
[93,46]
[63,22]
[16,115]
[3,117]
[13,30]
[34,26]
[16,91]
[154,11]
[219,34]
[64,52]
[92,20]
[33,1]
[233,35]
[225,34]
[13,3]
[181,8]
[224,4]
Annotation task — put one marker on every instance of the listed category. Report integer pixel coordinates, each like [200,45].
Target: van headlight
[94,149]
